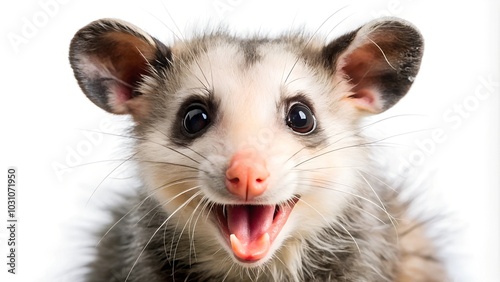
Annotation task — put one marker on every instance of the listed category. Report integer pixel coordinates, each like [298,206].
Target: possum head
[250,144]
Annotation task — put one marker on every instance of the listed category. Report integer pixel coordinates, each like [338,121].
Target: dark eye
[196,119]
[300,119]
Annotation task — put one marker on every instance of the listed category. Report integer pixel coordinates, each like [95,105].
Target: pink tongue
[250,223]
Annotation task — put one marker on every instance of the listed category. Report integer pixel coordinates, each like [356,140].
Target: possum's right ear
[110,59]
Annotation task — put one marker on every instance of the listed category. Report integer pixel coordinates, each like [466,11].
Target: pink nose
[246,176]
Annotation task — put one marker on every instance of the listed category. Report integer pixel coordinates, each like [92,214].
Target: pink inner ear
[366,99]
[130,69]
[121,95]
[361,68]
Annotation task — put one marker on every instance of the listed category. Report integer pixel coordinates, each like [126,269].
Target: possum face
[251,145]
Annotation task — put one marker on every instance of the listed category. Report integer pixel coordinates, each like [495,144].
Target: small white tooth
[237,246]
[252,251]
[224,212]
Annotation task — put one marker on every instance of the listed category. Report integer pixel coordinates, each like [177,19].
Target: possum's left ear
[110,59]
[379,61]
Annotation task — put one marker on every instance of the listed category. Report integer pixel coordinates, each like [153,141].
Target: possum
[251,155]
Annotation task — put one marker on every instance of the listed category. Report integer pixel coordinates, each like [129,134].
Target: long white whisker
[345,192]
[137,206]
[383,54]
[203,209]
[107,175]
[187,224]
[156,231]
[310,40]
[357,145]
[333,229]
[349,133]
[380,201]
[167,202]
[186,147]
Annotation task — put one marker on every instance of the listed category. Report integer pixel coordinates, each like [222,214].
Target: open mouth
[250,230]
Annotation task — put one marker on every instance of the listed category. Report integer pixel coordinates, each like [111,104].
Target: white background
[44,117]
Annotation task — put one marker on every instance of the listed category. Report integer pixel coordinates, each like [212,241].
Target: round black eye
[196,119]
[300,119]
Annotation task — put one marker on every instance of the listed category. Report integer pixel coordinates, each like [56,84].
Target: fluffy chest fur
[252,159]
